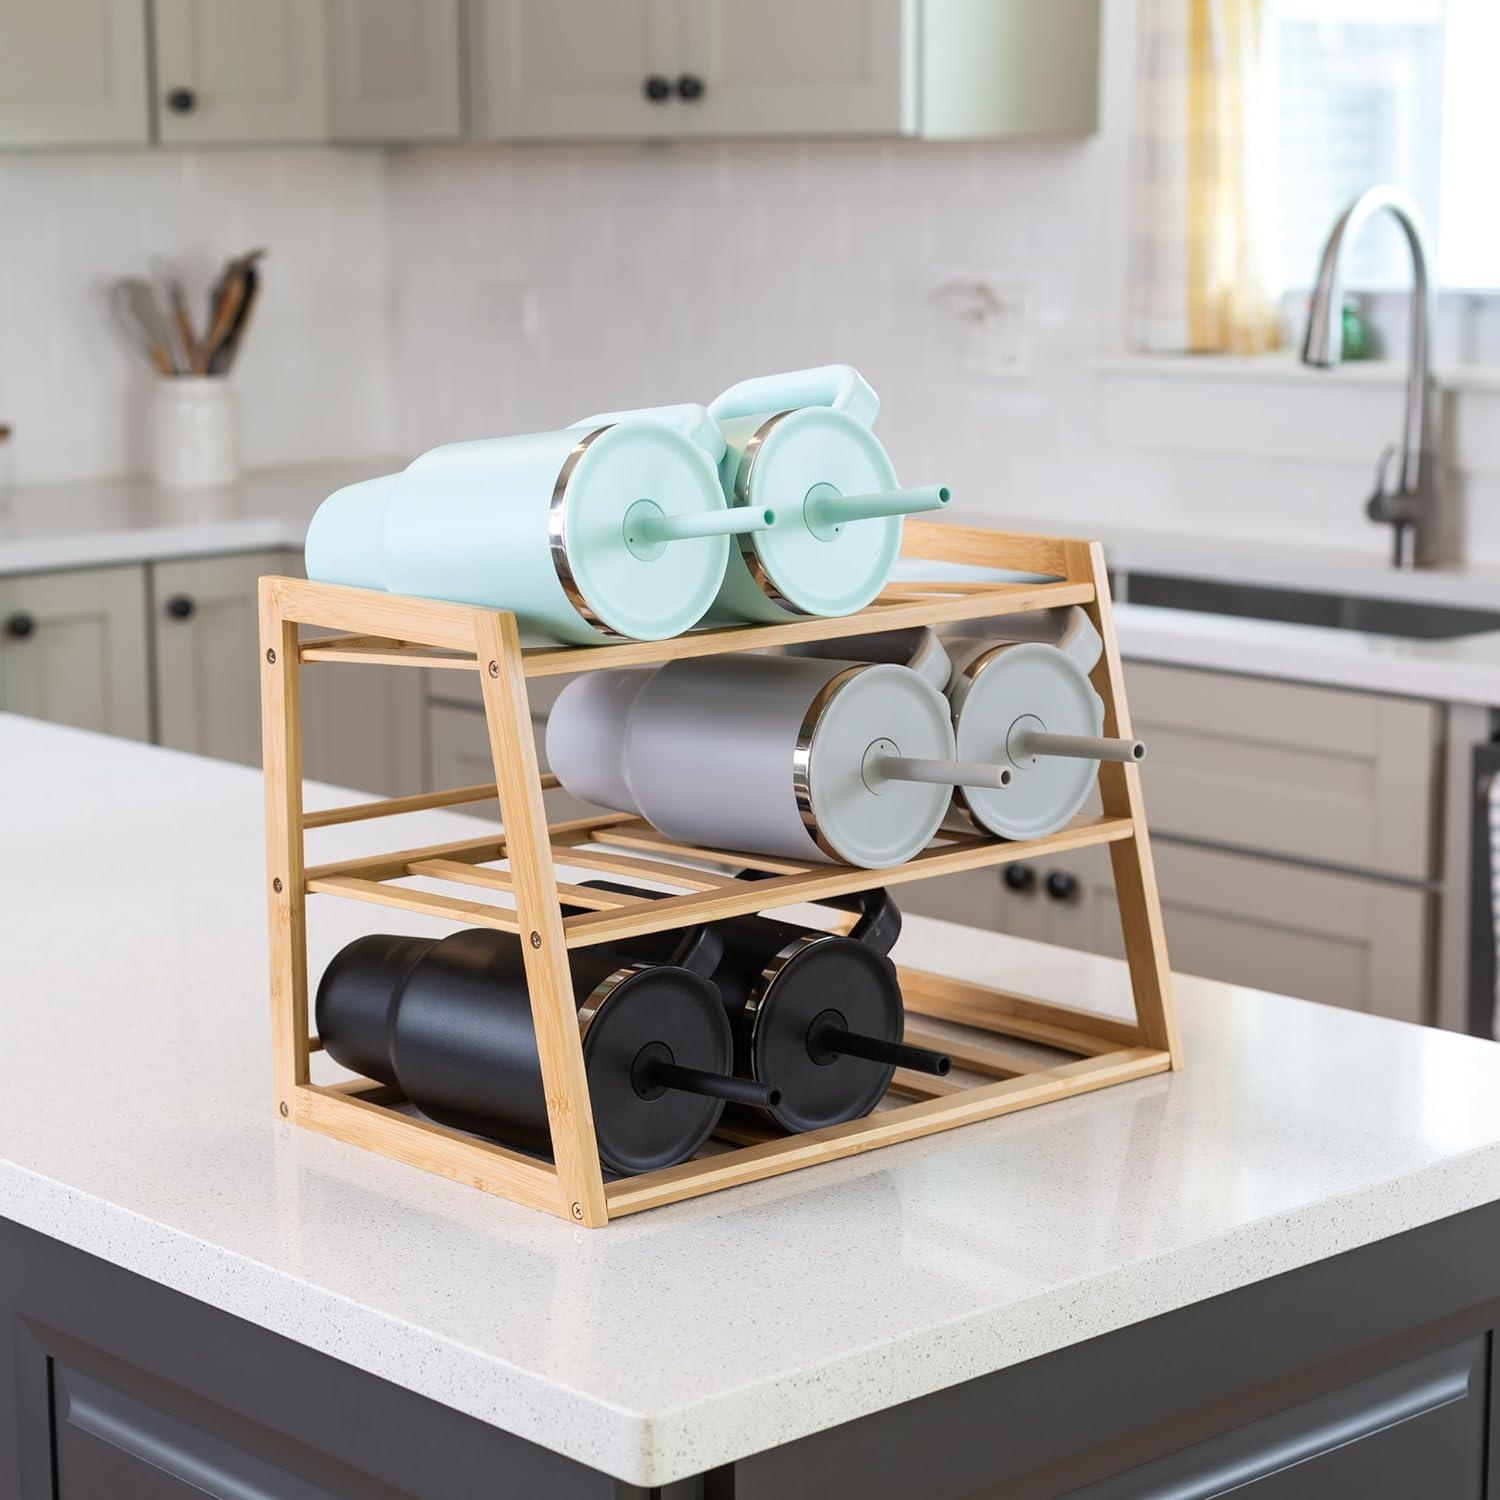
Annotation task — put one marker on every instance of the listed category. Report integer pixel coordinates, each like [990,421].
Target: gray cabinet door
[554,69]
[73,649]
[73,73]
[1344,940]
[228,73]
[458,750]
[207,653]
[361,726]
[1339,778]
[394,69]
[783,67]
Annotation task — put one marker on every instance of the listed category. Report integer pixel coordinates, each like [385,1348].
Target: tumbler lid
[815,975]
[642,592]
[827,570]
[862,714]
[640,1006]
[994,694]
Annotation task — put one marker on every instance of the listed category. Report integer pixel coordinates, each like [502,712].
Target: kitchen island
[1278,1268]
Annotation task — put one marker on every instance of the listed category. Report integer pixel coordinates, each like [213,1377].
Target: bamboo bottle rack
[386,630]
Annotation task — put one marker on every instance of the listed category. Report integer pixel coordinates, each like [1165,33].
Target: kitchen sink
[1425,622]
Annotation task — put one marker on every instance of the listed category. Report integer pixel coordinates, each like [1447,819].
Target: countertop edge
[656,1449]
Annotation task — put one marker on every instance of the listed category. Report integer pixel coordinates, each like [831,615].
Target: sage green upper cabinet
[783,67]
[991,69]
[394,70]
[634,69]
[552,69]
[232,73]
[73,73]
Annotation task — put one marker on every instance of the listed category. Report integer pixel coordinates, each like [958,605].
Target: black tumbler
[449,1022]
[817,1015]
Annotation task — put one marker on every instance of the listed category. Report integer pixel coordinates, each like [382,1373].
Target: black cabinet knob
[19,626]
[182,101]
[689,87]
[1018,877]
[1061,886]
[657,89]
[180,607]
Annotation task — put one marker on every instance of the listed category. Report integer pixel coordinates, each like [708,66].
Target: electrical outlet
[989,325]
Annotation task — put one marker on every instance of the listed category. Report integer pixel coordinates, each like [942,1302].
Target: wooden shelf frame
[697,885]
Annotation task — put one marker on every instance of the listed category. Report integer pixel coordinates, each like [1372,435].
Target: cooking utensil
[587,535]
[228,301]
[171,291]
[815,760]
[221,361]
[800,445]
[449,1022]
[139,314]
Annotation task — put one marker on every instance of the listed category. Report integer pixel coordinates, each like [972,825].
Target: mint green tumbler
[799,445]
[595,533]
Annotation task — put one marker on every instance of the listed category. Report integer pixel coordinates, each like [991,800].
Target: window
[1399,91]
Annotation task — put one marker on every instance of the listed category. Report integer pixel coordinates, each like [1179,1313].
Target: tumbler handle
[687,417]
[698,949]
[879,922]
[840,387]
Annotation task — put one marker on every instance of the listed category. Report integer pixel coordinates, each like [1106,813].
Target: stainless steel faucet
[1412,507]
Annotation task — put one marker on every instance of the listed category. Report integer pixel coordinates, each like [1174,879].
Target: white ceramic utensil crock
[587,534]
[799,445]
[812,760]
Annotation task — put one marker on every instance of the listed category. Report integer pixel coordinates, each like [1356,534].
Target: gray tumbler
[822,761]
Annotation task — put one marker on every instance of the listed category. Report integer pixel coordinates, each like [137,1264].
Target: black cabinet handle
[180,607]
[1018,877]
[657,89]
[690,87]
[1061,886]
[182,101]
[19,626]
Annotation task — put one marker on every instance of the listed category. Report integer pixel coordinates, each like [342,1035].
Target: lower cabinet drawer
[1416,1430]
[1341,939]
[1358,943]
[1310,773]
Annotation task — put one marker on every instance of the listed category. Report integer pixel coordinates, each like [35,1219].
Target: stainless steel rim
[600,996]
[802,754]
[971,675]
[768,977]
[749,551]
[557,537]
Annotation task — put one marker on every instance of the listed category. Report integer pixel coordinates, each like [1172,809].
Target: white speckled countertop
[135,1124]
[91,525]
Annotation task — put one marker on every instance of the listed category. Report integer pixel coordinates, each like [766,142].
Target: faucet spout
[1412,508]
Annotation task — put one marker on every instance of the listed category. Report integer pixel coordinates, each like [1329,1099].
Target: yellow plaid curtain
[1201,209]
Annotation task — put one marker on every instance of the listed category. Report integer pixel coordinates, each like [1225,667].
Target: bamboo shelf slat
[687,885]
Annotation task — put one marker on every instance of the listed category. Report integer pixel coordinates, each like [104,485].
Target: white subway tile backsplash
[312,380]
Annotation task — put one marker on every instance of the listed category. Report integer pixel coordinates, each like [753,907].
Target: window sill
[1283,367]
